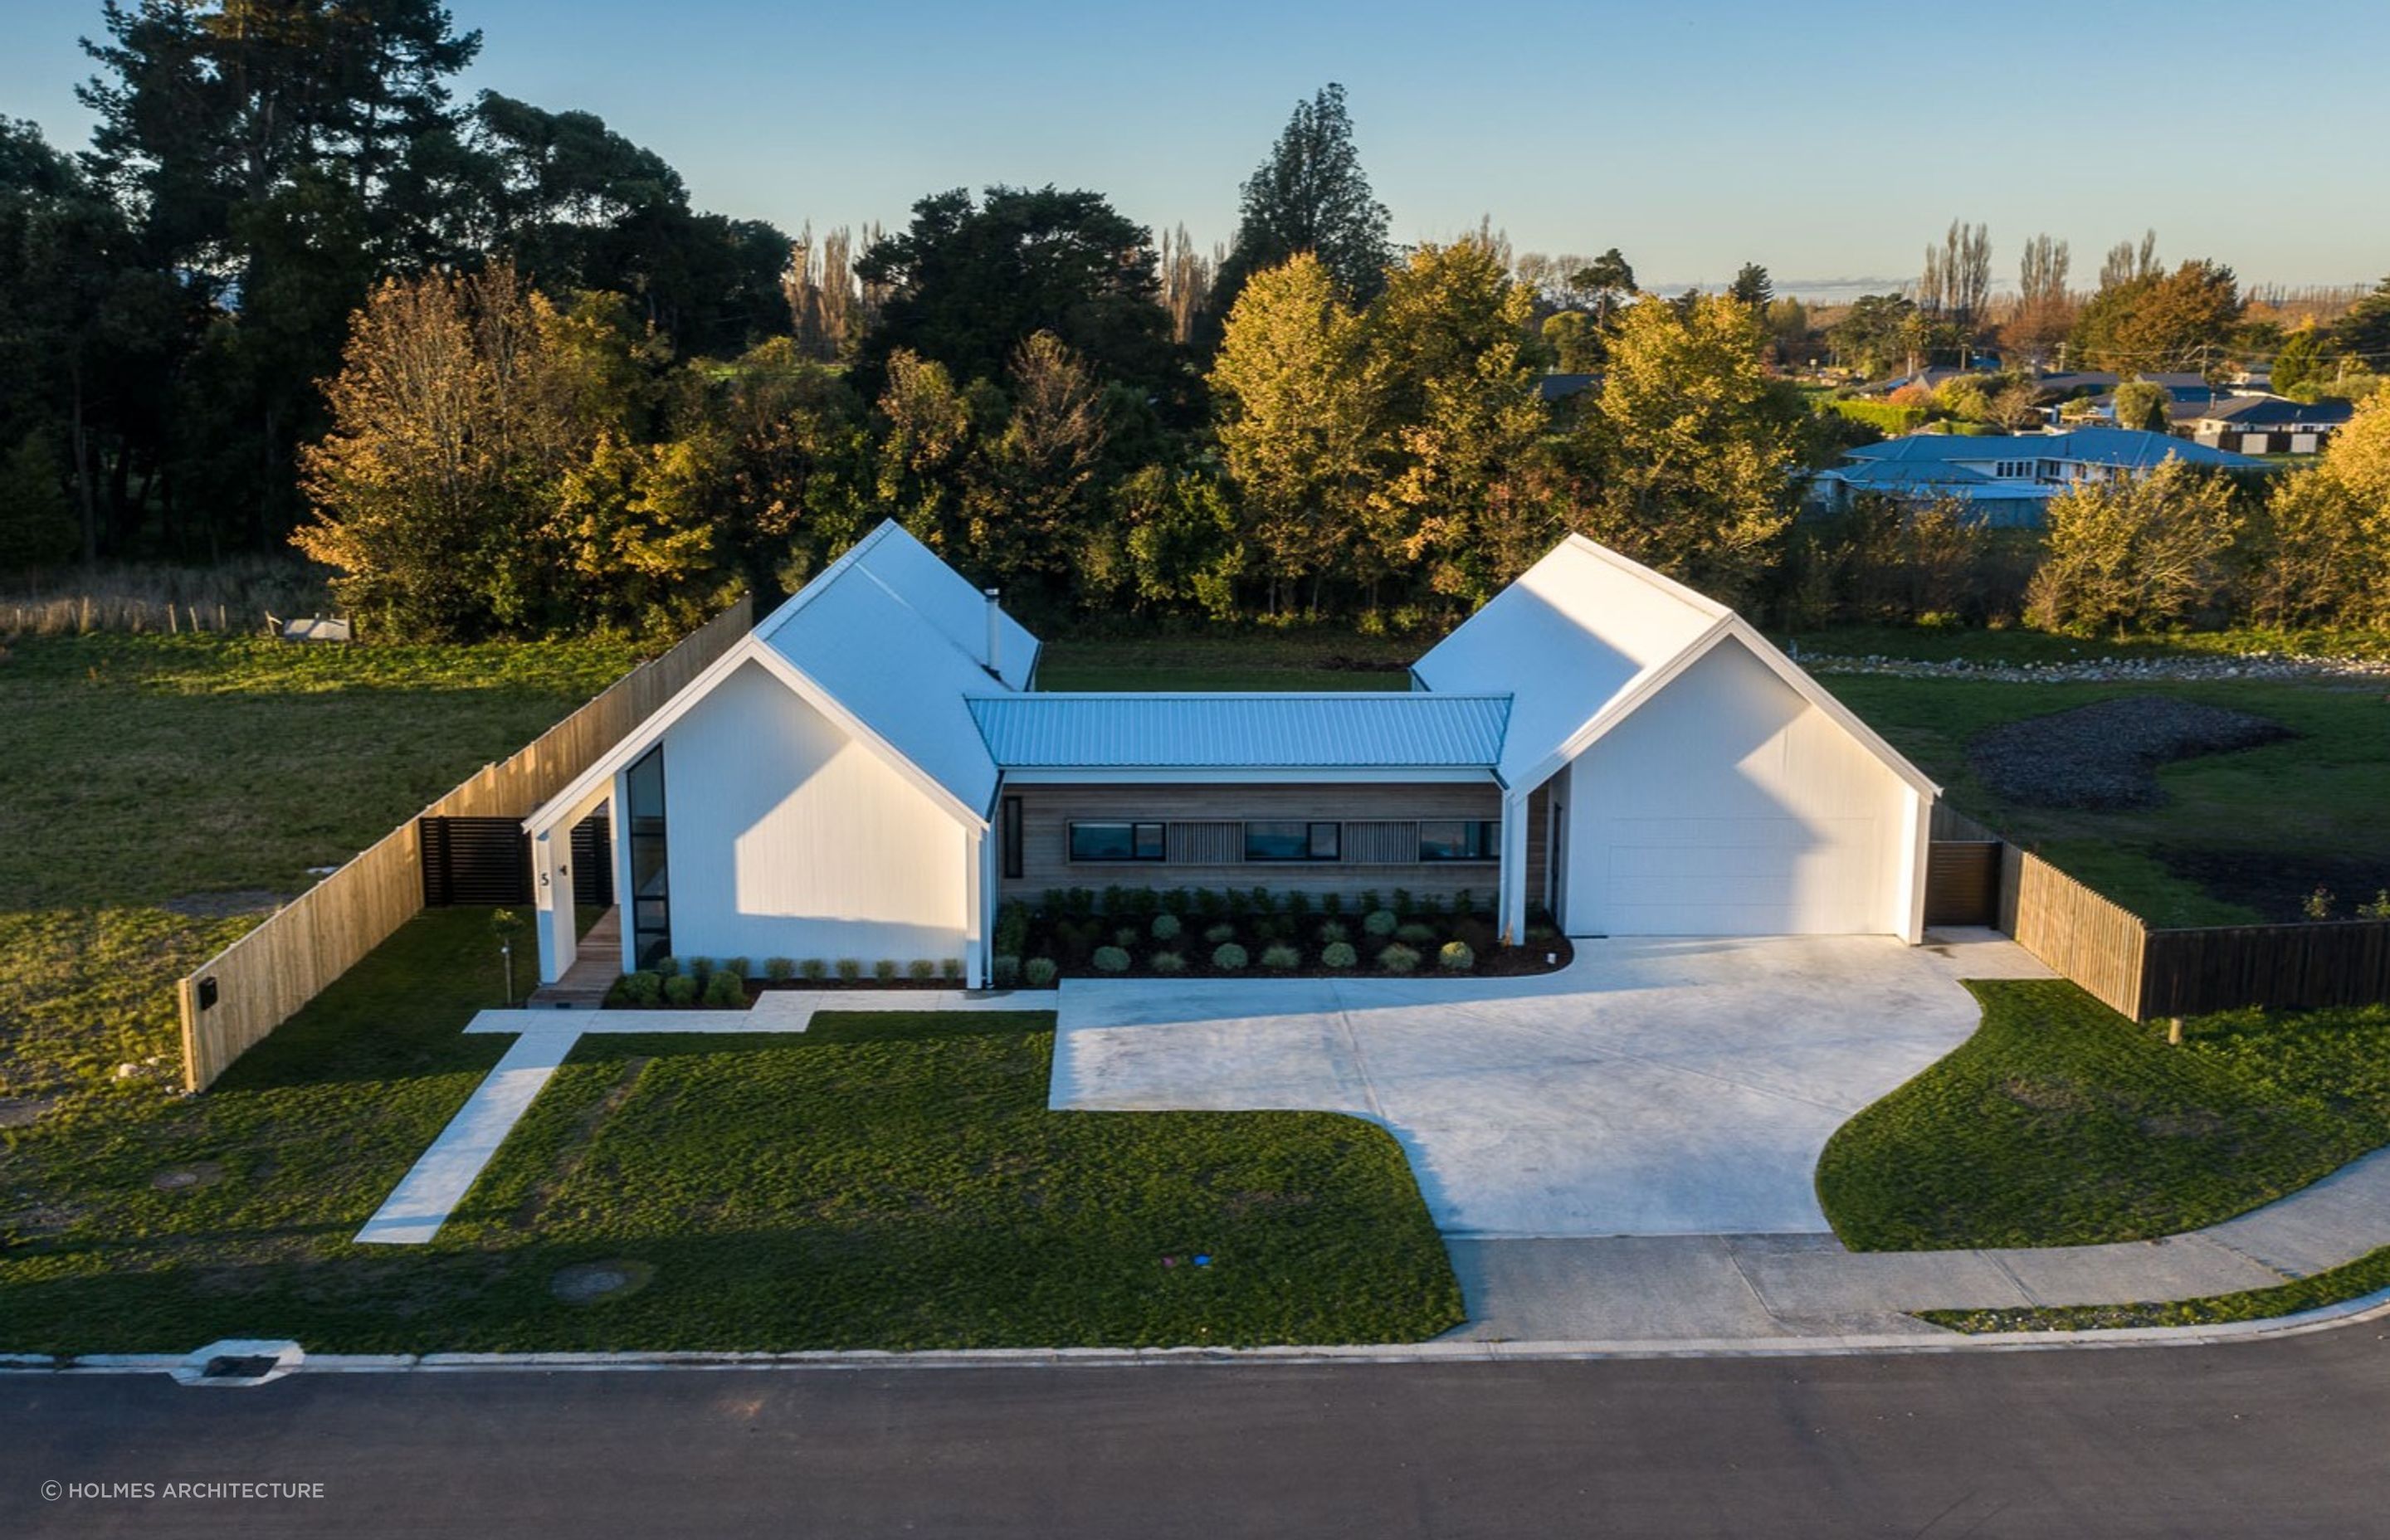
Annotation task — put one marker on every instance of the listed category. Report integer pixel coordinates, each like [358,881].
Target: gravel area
[2255,665]
[2105,756]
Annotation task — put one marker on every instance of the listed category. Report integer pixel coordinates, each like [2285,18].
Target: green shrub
[1453,956]
[1338,954]
[1011,929]
[1220,933]
[1367,904]
[726,990]
[1207,903]
[664,968]
[1402,905]
[921,968]
[1398,958]
[680,990]
[1891,421]
[1112,959]
[884,970]
[1413,934]
[813,968]
[700,968]
[850,969]
[1166,926]
[1462,904]
[1261,902]
[950,969]
[1228,957]
[1039,971]
[1127,937]
[1380,923]
[1281,957]
[779,969]
[1166,962]
[638,989]
[736,966]
[1334,931]
[1333,905]
[1007,971]
[1298,905]
[1175,901]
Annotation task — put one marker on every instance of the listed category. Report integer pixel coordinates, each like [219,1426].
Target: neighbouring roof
[2254,412]
[2128,448]
[1215,731]
[1560,386]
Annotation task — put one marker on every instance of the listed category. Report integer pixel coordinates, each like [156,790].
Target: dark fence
[2288,967]
[488,861]
[1962,882]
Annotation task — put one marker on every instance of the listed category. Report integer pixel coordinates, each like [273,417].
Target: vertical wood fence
[235,1000]
[2093,940]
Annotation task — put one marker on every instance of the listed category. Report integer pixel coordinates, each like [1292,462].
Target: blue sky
[1828,139]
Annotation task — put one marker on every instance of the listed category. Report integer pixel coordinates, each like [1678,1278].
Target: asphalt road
[2278,1439]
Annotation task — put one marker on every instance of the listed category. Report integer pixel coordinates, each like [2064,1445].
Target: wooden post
[2174,1031]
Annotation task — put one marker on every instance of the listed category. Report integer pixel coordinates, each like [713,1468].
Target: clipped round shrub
[680,990]
[1166,926]
[1127,937]
[736,966]
[779,969]
[1281,957]
[1167,962]
[950,969]
[813,968]
[1039,971]
[1398,958]
[1220,933]
[700,968]
[884,970]
[1415,934]
[1380,923]
[639,989]
[922,968]
[1112,959]
[664,968]
[1334,931]
[724,990]
[1453,956]
[850,969]
[1338,954]
[1007,971]
[1230,957]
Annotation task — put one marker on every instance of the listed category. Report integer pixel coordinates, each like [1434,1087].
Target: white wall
[789,839]
[1728,805]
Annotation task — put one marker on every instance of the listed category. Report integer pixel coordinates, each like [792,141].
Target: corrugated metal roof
[1329,731]
[2125,447]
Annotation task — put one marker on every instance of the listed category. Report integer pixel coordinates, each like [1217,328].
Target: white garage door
[1730,876]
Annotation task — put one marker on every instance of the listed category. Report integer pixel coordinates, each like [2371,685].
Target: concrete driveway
[1652,1087]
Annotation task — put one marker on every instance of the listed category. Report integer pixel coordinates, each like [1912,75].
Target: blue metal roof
[2108,446]
[1325,731]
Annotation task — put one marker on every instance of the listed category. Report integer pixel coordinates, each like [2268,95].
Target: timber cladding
[237,997]
[1205,836]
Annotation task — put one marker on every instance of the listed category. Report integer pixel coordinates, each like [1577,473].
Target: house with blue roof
[872,771]
[2007,480]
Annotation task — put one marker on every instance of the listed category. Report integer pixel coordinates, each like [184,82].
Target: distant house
[2266,425]
[2007,480]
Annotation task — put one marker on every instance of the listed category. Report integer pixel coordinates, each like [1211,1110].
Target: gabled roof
[1583,638]
[881,643]
[2128,448]
[1331,730]
[2254,412]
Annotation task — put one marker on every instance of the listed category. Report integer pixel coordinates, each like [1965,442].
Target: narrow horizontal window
[1116,842]
[1290,839]
[1461,839]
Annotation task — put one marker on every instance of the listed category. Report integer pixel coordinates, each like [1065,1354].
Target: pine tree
[1311,195]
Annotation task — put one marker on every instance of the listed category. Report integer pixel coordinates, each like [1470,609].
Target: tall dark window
[1291,839]
[650,871]
[1116,842]
[1461,839]
[1009,832]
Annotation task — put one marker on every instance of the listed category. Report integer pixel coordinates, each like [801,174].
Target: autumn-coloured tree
[2326,530]
[2134,554]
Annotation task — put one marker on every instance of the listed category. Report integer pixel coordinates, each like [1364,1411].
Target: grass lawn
[887,1181]
[2369,1274]
[2061,1123]
[2021,645]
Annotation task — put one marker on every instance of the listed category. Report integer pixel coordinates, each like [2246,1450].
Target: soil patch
[2276,885]
[2105,756]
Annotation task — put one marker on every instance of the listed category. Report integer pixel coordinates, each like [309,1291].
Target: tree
[1957,277]
[2144,405]
[1575,339]
[1033,518]
[1606,282]
[1451,351]
[2327,530]
[1751,287]
[969,281]
[2136,554]
[2363,332]
[1310,195]
[2045,312]
[2302,364]
[1877,333]
[2126,263]
[2149,323]
[1297,413]
[1690,447]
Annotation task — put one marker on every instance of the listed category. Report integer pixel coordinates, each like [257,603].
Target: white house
[869,773]
[2007,480]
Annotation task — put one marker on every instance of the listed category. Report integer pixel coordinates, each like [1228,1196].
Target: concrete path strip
[437,1183]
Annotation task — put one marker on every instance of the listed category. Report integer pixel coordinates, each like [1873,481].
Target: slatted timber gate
[1962,882]
[488,861]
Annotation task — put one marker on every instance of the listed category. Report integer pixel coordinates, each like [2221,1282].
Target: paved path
[433,1188]
[1655,1087]
[1709,1288]
[2279,1439]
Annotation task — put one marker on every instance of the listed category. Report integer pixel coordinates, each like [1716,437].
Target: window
[1116,841]
[651,868]
[1009,833]
[1291,839]
[1461,839]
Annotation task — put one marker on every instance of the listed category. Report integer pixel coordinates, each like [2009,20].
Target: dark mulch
[2277,885]
[2105,756]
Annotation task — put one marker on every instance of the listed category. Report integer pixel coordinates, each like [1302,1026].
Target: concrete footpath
[1760,1287]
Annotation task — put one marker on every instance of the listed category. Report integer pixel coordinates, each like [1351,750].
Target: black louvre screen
[475,861]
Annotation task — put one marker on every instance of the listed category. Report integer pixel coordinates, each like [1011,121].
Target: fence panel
[238,996]
[2095,942]
[2189,972]
[1963,881]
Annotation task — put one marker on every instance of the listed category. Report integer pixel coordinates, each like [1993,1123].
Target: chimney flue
[994,632]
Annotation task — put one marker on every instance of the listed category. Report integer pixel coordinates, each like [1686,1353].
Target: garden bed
[1249,932]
